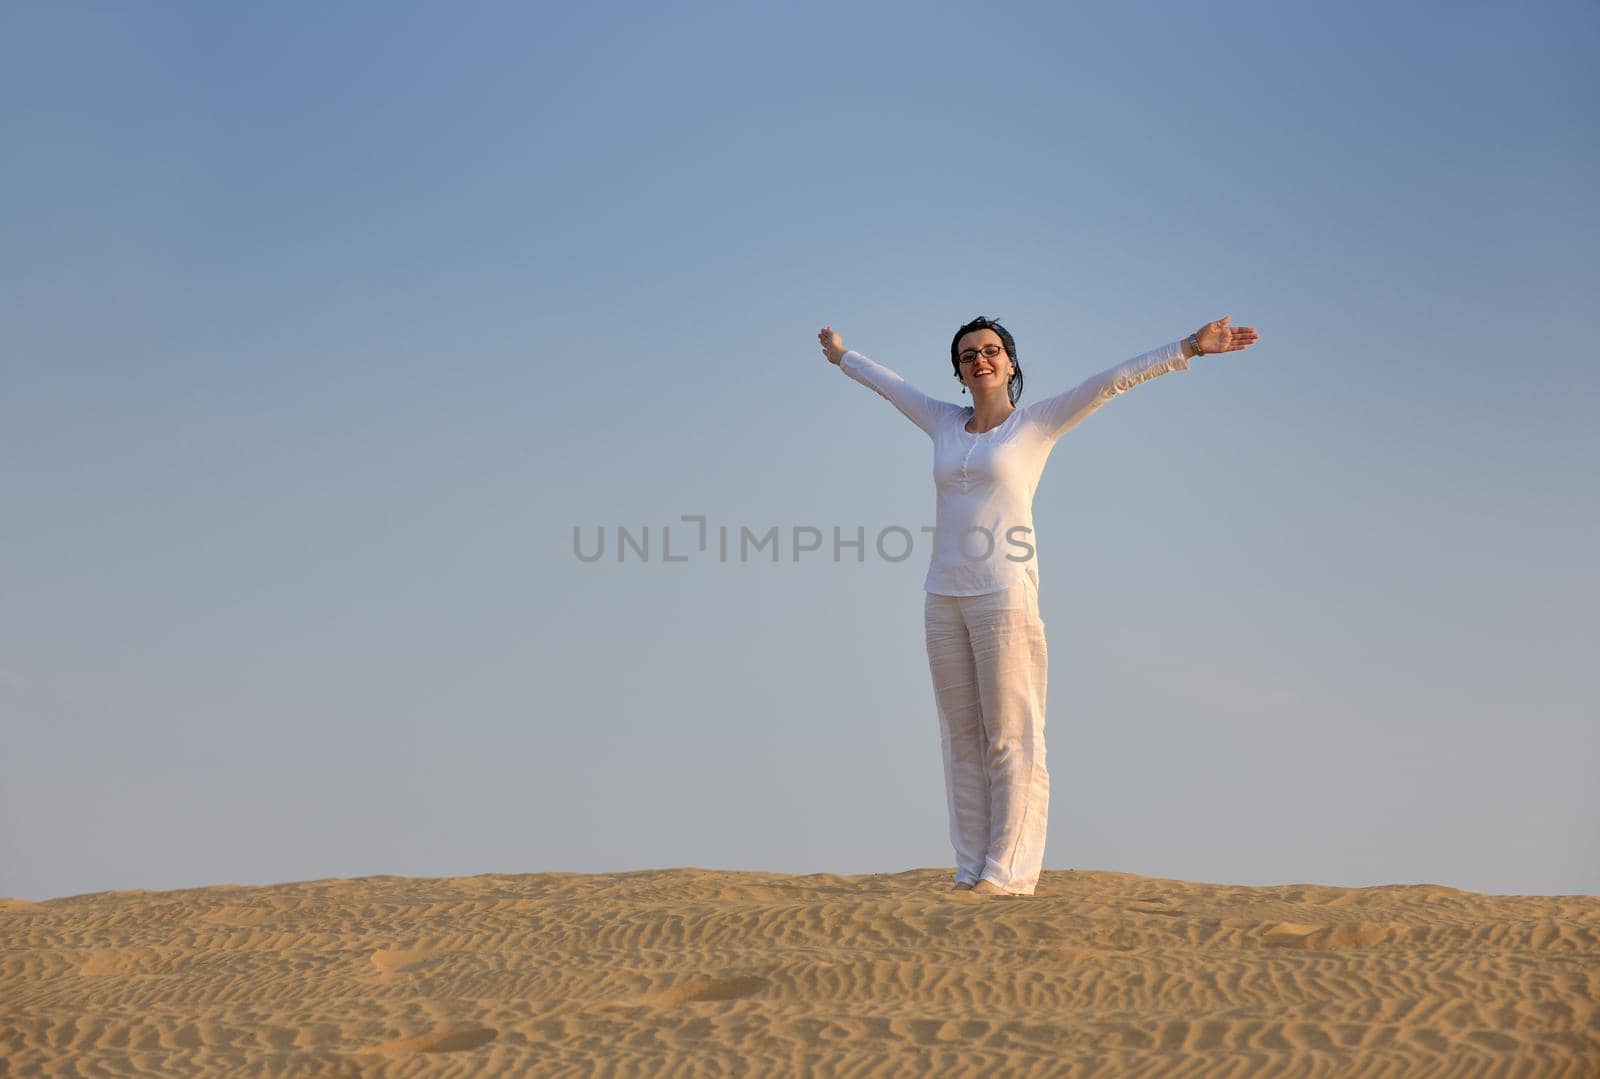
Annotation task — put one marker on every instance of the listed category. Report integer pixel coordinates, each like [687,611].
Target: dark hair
[1013,387]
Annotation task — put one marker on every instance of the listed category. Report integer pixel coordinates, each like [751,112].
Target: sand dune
[720,973]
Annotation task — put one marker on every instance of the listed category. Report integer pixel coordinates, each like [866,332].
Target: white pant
[989,663]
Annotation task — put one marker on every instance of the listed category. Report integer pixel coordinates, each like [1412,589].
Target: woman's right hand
[832,347]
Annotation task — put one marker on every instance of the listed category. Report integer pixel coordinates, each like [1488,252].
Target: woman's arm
[1058,415]
[918,407]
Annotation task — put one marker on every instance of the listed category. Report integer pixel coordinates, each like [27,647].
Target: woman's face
[982,372]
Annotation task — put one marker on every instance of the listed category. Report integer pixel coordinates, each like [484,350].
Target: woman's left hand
[1218,336]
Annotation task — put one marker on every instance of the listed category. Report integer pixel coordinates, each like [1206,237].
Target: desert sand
[701,972]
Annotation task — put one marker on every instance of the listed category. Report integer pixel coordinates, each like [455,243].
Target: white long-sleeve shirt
[983,525]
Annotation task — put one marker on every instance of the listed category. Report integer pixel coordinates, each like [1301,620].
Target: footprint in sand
[1329,937]
[103,964]
[450,1041]
[733,988]
[1165,912]
[397,960]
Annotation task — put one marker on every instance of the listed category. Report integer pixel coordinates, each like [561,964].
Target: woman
[985,638]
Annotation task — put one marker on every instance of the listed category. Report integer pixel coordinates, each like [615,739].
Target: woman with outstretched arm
[985,638]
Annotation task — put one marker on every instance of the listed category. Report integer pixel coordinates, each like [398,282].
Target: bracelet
[1194,343]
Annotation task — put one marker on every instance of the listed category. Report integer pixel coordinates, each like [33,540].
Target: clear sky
[325,326]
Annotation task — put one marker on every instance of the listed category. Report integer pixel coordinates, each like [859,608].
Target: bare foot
[963,886]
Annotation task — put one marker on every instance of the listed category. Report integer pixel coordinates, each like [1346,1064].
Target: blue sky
[327,325]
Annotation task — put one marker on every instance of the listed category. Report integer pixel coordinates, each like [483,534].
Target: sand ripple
[698,972]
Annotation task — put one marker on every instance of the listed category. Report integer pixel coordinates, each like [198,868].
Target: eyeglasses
[989,352]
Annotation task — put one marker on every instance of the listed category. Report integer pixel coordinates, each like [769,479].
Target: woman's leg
[1012,662]
[961,737]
